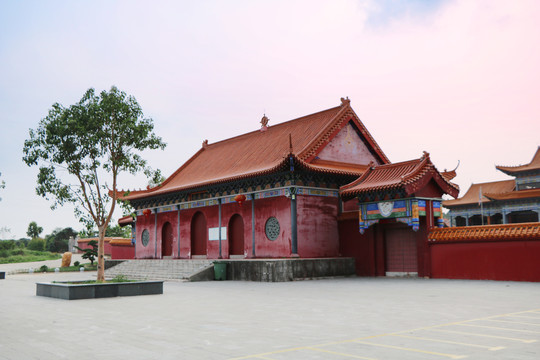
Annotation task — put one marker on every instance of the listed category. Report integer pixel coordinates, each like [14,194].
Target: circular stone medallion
[145,238]
[272,228]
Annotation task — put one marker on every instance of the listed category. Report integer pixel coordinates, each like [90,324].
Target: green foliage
[76,263]
[91,143]
[7,244]
[112,231]
[34,230]
[44,268]
[59,239]
[89,253]
[20,255]
[102,133]
[36,244]
[118,231]
[88,233]
[120,278]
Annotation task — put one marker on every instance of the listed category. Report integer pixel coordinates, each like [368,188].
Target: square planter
[93,291]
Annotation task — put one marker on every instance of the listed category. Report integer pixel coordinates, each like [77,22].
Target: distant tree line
[58,240]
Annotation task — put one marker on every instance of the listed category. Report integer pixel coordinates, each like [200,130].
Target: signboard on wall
[213,233]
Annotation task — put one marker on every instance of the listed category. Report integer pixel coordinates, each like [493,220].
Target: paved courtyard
[359,318]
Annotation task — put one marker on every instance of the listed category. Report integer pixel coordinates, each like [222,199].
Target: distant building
[501,202]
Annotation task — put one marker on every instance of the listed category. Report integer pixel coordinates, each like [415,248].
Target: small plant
[120,278]
[76,263]
[44,268]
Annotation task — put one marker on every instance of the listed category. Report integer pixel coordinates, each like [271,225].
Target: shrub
[76,263]
[36,244]
[7,244]
[43,268]
[4,253]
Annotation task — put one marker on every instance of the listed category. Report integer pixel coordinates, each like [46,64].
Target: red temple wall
[361,247]
[278,207]
[145,222]
[504,260]
[122,252]
[317,226]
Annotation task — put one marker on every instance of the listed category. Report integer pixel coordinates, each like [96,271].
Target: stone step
[157,269]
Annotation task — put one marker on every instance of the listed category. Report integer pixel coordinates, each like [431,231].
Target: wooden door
[198,234]
[166,239]
[236,235]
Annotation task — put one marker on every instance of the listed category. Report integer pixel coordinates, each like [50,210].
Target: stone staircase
[158,269]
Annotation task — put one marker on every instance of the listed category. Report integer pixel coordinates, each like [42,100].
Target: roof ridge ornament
[290,144]
[345,101]
[264,123]
[205,143]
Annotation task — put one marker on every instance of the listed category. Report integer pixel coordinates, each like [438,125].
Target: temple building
[318,186]
[501,202]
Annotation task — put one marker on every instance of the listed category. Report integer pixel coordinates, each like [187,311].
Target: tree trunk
[101,253]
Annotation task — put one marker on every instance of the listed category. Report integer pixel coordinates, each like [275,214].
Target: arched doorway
[236,235]
[198,234]
[166,239]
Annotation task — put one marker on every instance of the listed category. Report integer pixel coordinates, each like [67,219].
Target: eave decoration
[407,211]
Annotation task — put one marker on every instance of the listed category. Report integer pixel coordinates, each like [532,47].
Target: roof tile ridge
[173,175]
[425,166]
[398,164]
[315,168]
[277,125]
[534,160]
[316,142]
[364,176]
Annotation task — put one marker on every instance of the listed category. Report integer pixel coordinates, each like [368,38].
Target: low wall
[277,270]
[122,249]
[491,252]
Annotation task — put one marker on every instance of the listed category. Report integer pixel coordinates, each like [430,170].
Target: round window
[272,228]
[145,238]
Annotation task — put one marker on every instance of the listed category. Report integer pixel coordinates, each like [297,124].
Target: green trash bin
[220,270]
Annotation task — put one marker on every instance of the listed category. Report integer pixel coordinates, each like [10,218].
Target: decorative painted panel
[407,211]
[317,192]
[386,209]
[437,209]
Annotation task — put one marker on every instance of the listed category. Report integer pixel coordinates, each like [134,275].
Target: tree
[118,231]
[58,240]
[34,230]
[90,142]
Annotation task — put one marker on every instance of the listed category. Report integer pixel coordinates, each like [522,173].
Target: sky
[456,78]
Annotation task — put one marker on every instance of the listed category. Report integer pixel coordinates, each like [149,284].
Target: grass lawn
[87,267]
[25,255]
